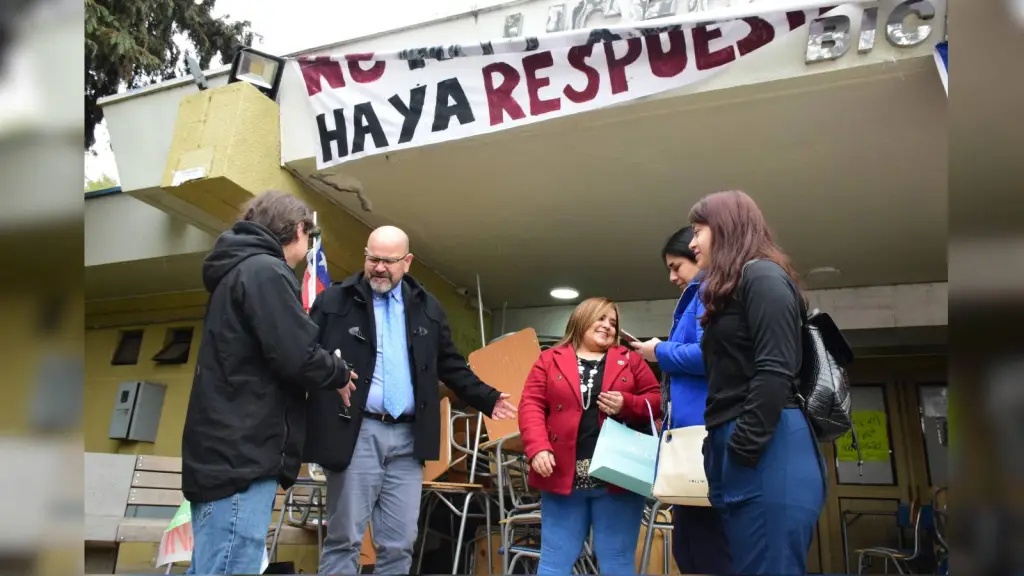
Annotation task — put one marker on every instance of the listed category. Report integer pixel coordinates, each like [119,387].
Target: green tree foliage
[132,43]
[102,183]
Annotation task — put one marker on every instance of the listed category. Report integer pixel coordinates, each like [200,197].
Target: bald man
[394,334]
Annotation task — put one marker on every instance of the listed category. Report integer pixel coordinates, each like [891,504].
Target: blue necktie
[396,363]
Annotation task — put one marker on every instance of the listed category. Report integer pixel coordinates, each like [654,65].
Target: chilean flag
[941,55]
[315,279]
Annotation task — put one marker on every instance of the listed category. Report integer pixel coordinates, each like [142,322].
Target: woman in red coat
[572,388]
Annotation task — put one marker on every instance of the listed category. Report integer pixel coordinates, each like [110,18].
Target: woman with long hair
[763,466]
[699,542]
[572,389]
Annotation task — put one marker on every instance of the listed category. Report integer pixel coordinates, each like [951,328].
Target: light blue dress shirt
[375,399]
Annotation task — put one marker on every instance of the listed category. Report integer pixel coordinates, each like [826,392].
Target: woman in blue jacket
[699,543]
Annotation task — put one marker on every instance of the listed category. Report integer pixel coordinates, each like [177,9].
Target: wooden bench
[116,484]
[156,481]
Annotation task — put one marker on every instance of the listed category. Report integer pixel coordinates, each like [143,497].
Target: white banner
[365,104]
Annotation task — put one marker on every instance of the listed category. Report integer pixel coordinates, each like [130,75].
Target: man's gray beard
[381,288]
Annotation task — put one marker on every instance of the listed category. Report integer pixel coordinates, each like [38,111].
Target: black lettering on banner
[598,35]
[532,43]
[438,53]
[411,113]
[487,47]
[364,121]
[659,30]
[451,90]
[414,56]
[338,135]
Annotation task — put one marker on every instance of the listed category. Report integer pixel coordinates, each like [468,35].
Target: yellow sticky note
[873,435]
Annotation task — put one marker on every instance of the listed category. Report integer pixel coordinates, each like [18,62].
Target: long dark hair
[739,234]
[678,244]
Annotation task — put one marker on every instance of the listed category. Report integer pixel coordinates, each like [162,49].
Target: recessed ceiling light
[564,293]
[824,271]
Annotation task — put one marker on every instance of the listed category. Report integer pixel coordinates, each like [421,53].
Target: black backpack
[824,389]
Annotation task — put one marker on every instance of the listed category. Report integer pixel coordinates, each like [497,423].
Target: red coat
[551,407]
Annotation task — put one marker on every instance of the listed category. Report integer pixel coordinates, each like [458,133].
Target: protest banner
[365,104]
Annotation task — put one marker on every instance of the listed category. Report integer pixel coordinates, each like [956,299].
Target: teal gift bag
[625,457]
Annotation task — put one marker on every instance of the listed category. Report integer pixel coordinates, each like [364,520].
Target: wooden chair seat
[451,487]
[521,519]
[511,446]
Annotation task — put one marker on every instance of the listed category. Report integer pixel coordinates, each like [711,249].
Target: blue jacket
[681,359]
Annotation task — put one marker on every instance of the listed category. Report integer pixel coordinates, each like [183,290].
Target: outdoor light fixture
[197,73]
[565,293]
[259,69]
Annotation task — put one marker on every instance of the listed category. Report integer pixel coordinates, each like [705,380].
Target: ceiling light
[564,293]
[824,271]
[259,69]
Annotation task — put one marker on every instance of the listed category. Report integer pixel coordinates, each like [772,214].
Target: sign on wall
[366,104]
[872,435]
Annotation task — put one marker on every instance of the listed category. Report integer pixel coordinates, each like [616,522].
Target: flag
[941,54]
[316,278]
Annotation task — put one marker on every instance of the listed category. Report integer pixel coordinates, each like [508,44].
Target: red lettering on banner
[706,60]
[499,98]
[796,19]
[177,540]
[666,64]
[321,67]
[761,33]
[364,76]
[577,59]
[531,65]
[617,66]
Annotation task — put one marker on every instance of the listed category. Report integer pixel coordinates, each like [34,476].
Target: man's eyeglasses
[381,260]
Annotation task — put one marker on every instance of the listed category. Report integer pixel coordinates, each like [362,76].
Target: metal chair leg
[431,504]
[462,531]
[487,534]
[649,537]
[666,551]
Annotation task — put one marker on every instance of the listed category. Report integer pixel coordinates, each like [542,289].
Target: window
[127,351]
[870,411]
[176,347]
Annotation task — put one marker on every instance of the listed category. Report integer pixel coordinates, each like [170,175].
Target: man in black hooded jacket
[258,357]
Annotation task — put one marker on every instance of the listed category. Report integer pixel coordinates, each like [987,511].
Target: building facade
[837,129]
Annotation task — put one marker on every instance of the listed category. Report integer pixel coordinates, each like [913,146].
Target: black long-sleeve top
[752,354]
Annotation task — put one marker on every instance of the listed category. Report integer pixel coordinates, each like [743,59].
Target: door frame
[899,377]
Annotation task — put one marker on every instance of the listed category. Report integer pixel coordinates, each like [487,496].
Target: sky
[298,25]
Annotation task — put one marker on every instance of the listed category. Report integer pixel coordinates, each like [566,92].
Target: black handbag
[823,389]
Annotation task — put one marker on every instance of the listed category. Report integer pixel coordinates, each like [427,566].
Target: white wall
[141,127]
[874,307]
[121,228]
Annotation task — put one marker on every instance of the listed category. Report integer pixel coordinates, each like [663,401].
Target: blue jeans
[770,511]
[566,523]
[230,534]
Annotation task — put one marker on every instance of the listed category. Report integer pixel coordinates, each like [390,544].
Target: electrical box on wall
[137,410]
